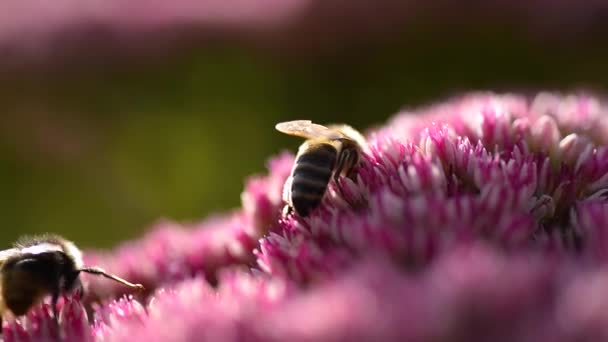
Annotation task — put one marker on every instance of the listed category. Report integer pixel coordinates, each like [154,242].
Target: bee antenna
[101,272]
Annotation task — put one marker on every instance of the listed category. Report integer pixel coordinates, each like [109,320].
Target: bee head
[27,277]
[38,266]
[49,270]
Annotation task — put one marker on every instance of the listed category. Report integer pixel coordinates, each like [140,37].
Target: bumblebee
[39,266]
[329,152]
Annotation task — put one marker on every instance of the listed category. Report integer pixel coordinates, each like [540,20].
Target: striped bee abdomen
[311,175]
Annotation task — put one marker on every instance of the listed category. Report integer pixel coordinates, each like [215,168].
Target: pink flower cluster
[483,218]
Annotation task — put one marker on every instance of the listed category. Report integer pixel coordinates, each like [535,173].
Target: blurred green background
[99,151]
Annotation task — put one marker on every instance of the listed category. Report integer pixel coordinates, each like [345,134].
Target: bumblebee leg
[287,210]
[79,291]
[54,300]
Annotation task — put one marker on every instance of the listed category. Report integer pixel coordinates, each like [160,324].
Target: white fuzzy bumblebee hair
[47,243]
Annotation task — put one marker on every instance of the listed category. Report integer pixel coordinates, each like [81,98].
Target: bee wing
[7,253]
[307,129]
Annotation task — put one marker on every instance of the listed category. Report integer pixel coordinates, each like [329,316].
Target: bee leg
[79,291]
[345,164]
[287,210]
[345,167]
[54,300]
[338,182]
[341,163]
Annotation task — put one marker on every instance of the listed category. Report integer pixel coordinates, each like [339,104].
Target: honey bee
[39,266]
[331,151]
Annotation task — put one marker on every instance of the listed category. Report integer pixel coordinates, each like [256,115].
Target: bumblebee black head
[37,267]
[28,277]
